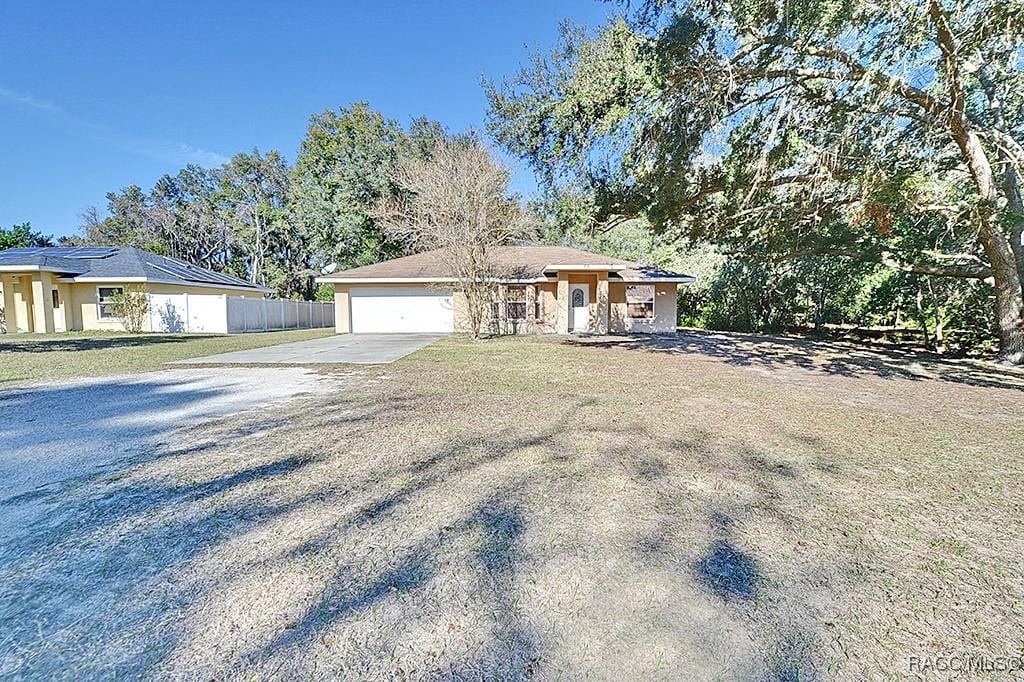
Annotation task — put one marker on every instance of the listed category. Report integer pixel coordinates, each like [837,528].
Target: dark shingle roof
[119,262]
[511,262]
[64,266]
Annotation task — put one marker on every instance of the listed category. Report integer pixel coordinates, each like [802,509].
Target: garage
[401,310]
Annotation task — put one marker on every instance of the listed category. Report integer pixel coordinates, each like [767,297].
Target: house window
[515,303]
[640,301]
[538,306]
[55,298]
[104,298]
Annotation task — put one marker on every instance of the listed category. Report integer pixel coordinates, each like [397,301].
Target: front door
[58,311]
[579,308]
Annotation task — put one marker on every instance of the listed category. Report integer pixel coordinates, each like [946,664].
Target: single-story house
[538,289]
[56,289]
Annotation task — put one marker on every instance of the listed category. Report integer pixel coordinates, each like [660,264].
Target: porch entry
[59,321]
[579,297]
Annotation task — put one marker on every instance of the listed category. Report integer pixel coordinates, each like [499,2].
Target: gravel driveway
[54,434]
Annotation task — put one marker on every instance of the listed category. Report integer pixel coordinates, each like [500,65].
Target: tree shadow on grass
[514,648]
[107,541]
[397,571]
[725,570]
[749,589]
[511,651]
[824,357]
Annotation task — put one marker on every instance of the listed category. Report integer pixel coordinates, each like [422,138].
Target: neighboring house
[539,289]
[69,288]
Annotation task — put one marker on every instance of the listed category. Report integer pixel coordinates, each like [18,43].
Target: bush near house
[132,307]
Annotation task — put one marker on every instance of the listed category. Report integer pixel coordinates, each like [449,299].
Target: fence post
[188,318]
[265,313]
[281,307]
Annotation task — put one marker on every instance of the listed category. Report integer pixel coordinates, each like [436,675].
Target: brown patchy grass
[704,507]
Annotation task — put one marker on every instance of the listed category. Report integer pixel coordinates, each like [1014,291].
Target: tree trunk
[1002,255]
[1011,183]
[819,311]
[1009,298]
[940,318]
[922,317]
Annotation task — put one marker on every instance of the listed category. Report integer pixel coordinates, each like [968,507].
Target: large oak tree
[888,131]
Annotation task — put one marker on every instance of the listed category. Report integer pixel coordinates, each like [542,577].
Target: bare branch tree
[457,202]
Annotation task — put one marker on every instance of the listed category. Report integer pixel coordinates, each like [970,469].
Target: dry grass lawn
[704,507]
[38,357]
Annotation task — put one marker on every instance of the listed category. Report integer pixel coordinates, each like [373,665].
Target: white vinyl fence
[212,314]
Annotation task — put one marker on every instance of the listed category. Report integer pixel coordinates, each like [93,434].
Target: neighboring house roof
[527,263]
[116,264]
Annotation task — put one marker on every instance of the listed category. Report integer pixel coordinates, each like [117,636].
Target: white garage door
[406,309]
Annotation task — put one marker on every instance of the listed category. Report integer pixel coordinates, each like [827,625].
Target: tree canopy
[22,236]
[259,218]
[882,132]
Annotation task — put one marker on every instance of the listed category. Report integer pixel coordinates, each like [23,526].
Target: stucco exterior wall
[552,309]
[26,298]
[664,319]
[460,312]
[85,309]
[548,291]
[342,309]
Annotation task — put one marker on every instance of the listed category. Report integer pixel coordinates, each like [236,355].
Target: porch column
[602,303]
[9,313]
[531,300]
[562,304]
[342,310]
[502,320]
[42,303]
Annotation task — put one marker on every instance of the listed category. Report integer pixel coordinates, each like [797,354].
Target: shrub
[132,306]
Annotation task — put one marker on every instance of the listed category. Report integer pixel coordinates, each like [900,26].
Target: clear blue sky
[97,95]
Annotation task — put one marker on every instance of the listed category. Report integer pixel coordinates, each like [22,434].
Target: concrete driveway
[355,349]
